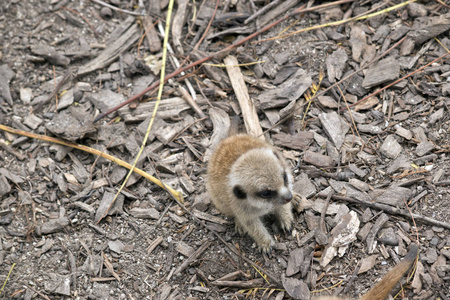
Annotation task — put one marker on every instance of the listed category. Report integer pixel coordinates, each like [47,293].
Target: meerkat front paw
[285,217]
[266,245]
[238,228]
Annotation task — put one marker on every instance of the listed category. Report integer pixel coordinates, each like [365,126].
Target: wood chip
[249,114]
[333,126]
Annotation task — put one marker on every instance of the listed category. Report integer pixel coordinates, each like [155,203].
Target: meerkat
[381,290]
[247,179]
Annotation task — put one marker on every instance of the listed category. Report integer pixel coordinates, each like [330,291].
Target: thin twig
[118,9]
[261,11]
[395,211]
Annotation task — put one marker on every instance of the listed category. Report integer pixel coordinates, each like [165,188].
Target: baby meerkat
[381,290]
[247,179]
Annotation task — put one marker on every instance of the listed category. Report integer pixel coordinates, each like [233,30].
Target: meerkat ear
[278,155]
[239,192]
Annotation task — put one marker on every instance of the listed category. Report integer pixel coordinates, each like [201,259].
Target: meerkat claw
[266,249]
[239,229]
[285,225]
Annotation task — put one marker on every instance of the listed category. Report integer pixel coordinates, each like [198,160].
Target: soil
[392,149]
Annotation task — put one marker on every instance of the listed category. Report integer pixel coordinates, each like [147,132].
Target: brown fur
[382,289]
[242,171]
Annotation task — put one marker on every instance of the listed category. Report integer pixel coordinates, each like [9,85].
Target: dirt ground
[62,235]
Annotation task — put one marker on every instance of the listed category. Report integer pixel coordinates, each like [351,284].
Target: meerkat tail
[385,286]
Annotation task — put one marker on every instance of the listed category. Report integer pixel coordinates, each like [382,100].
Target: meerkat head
[261,177]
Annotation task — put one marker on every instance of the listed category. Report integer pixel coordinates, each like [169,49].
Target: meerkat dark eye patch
[267,194]
[285,178]
[239,192]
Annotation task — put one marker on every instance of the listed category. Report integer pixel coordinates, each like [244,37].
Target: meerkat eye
[239,192]
[266,194]
[286,178]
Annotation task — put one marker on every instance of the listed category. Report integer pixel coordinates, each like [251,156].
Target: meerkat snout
[247,179]
[286,194]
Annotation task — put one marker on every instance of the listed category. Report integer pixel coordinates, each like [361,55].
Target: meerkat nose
[287,197]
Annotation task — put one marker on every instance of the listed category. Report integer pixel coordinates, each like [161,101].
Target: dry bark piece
[401,162]
[284,74]
[249,114]
[104,100]
[424,147]
[168,108]
[340,237]
[428,27]
[50,54]
[357,42]
[154,42]
[336,63]
[116,246]
[334,127]
[294,262]
[318,160]
[298,141]
[390,147]
[71,124]
[277,10]
[385,70]
[304,186]
[332,209]
[370,240]
[59,284]
[32,121]
[145,213]
[369,128]
[289,90]
[52,226]
[26,95]
[394,196]
[248,284]
[358,172]
[106,203]
[47,246]
[387,236]
[6,74]
[327,101]
[184,248]
[176,218]
[364,231]
[177,26]
[166,133]
[403,132]
[66,100]
[367,263]
[5,187]
[112,52]
[216,74]
[112,135]
[366,104]
[207,217]
[297,289]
